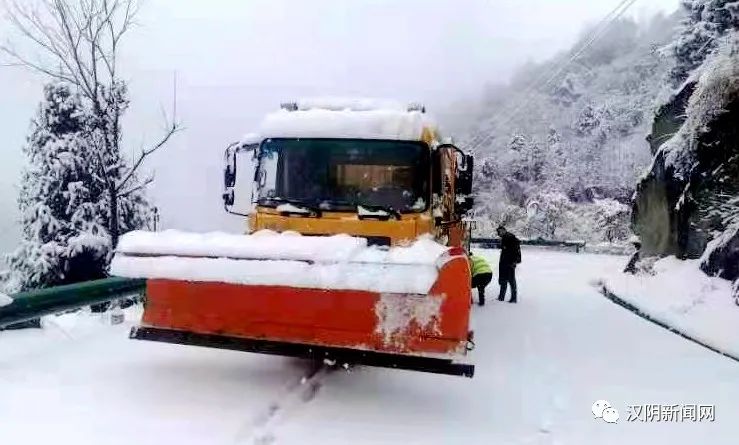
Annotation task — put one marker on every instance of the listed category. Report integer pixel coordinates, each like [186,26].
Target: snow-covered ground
[540,366]
[685,298]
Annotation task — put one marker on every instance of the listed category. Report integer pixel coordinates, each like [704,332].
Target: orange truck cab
[390,185]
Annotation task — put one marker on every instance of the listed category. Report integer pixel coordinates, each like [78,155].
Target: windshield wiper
[301,207]
[378,211]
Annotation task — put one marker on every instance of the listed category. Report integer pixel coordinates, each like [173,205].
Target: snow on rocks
[721,256]
[5,300]
[397,313]
[717,85]
[680,295]
[270,259]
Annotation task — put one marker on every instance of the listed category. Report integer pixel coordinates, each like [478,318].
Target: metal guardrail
[494,243]
[37,303]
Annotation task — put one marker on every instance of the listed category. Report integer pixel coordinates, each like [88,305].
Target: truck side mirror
[229,197]
[465,164]
[229,176]
[229,172]
[463,183]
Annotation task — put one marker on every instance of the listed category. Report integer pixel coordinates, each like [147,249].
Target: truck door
[239,178]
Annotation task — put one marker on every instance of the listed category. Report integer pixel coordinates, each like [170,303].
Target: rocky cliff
[688,202]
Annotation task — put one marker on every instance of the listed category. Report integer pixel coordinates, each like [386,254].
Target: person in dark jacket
[510,257]
[482,275]
[635,258]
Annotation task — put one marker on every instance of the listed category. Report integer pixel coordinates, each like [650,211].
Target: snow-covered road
[540,366]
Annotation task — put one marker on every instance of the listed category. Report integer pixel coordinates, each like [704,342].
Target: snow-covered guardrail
[604,289]
[33,304]
[494,243]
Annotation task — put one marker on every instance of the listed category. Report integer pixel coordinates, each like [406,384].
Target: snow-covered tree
[63,201]
[546,213]
[78,43]
[526,159]
[707,22]
[587,122]
[612,220]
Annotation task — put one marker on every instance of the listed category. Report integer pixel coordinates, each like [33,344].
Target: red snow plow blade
[423,332]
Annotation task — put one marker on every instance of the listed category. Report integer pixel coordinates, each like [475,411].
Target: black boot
[481,294]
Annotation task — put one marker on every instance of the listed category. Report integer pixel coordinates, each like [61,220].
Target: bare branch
[62,15]
[138,187]
[21,61]
[173,129]
[32,27]
[103,172]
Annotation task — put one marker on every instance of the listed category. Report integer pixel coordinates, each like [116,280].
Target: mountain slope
[560,149]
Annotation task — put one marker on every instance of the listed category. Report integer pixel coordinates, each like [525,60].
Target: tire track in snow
[260,430]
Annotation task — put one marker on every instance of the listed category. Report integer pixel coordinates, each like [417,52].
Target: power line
[598,32]
[530,93]
[535,83]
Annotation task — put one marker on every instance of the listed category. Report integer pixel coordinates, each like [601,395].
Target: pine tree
[64,204]
[587,121]
[706,23]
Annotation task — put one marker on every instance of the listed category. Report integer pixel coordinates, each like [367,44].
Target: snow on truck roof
[349,119]
[251,138]
[345,103]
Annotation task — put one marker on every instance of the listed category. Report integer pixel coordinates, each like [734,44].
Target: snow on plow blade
[329,298]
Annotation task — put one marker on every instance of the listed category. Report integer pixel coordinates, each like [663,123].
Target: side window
[269,173]
[436,172]
[244,189]
[444,179]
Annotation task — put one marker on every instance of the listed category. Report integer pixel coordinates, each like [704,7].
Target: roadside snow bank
[680,295]
[5,300]
[270,259]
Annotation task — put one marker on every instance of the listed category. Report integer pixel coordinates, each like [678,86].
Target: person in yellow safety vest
[482,274]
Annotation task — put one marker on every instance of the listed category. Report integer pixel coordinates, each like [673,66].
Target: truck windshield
[342,174]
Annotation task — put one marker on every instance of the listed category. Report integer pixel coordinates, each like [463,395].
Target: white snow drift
[262,245]
[683,297]
[270,259]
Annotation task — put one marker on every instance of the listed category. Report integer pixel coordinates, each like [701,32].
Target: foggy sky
[236,60]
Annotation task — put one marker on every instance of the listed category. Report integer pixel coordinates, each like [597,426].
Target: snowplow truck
[354,253]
